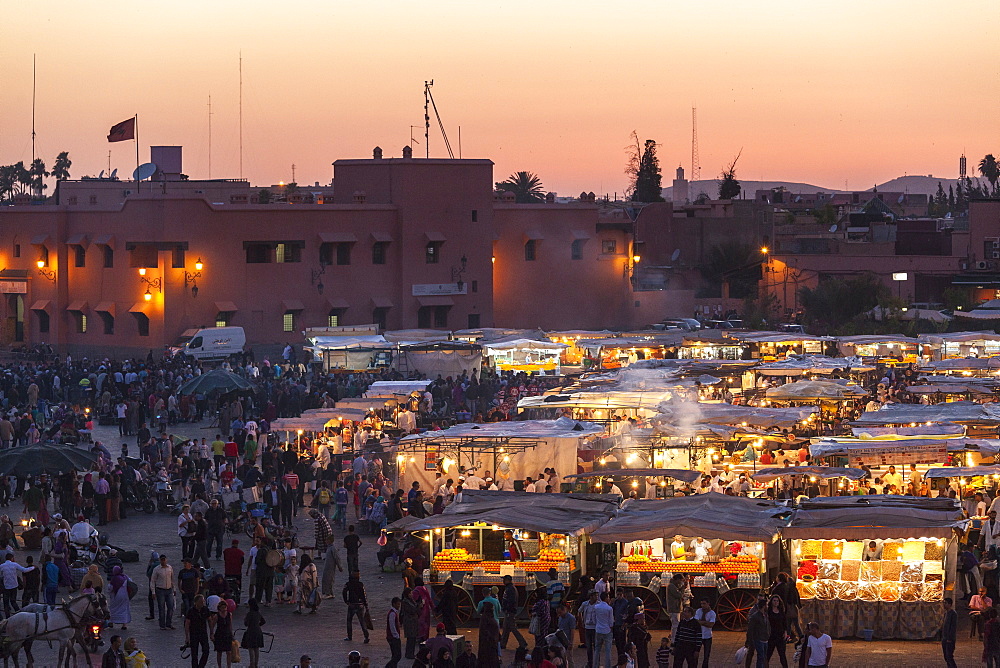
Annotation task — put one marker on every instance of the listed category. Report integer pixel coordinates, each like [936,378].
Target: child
[279,585]
[663,653]
[292,581]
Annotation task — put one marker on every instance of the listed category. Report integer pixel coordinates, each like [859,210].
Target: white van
[216,343]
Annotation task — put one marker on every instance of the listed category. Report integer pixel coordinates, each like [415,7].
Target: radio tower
[695,165]
[961,166]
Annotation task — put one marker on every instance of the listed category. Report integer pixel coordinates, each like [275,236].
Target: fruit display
[452,554]
[488,566]
[551,554]
[741,563]
[636,559]
[723,566]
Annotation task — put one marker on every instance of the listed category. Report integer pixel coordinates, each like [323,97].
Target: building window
[288,322]
[259,253]
[433,252]
[81,323]
[93,199]
[287,252]
[432,316]
[142,322]
[576,249]
[109,256]
[279,253]
[475,286]
[609,246]
[344,253]
[529,250]
[17,250]
[177,258]
[380,316]
[334,316]
[43,255]
[475,216]
[474,321]
[379,251]
[79,256]
[223,318]
[144,255]
[109,322]
[43,322]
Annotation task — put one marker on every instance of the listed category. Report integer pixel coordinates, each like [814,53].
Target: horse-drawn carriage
[78,621]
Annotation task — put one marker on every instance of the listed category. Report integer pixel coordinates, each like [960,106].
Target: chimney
[550,198]
[377,153]
[407,153]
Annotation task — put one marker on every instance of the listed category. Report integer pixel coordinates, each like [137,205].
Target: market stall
[725,544]
[953,345]
[835,477]
[875,566]
[773,346]
[882,348]
[646,483]
[487,535]
[526,355]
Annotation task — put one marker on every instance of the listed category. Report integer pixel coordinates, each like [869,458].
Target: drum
[275,558]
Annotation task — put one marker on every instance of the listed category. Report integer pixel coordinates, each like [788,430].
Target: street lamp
[191,277]
[47,273]
[151,282]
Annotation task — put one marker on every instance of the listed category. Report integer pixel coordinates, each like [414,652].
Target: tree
[646,187]
[834,303]
[22,177]
[729,186]
[264,196]
[735,263]
[38,173]
[526,186]
[990,171]
[825,216]
[938,203]
[60,170]
[951,198]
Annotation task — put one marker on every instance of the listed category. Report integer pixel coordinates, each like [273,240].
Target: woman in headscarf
[118,598]
[253,637]
[489,638]
[376,517]
[92,580]
[60,555]
[422,592]
[308,583]
[331,564]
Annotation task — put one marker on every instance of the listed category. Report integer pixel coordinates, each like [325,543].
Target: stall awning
[954,411]
[874,518]
[141,307]
[78,305]
[711,515]
[225,307]
[436,300]
[292,305]
[381,302]
[929,449]
[41,305]
[78,240]
[822,472]
[105,240]
[684,475]
[337,303]
[962,471]
[572,514]
[338,237]
[381,236]
[106,307]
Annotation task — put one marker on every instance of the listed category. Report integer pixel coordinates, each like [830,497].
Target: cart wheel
[650,603]
[466,607]
[529,601]
[734,608]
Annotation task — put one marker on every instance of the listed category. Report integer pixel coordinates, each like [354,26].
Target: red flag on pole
[122,131]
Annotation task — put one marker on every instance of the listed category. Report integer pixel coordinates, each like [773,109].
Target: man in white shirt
[893,478]
[406,421]
[81,532]
[702,549]
[541,484]
[706,618]
[9,571]
[819,649]
[474,482]
[161,583]
[991,531]
[187,537]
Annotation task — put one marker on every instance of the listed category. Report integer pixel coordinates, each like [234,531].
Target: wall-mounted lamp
[191,277]
[315,279]
[47,273]
[151,282]
[457,273]
[147,296]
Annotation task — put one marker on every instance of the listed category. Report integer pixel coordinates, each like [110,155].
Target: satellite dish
[833,228]
[114,174]
[144,171]
[101,175]
[676,254]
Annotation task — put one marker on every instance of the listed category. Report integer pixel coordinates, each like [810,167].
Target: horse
[64,623]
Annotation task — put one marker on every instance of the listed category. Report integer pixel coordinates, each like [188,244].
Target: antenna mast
[241,114]
[695,162]
[33,78]
[210,136]
[429,100]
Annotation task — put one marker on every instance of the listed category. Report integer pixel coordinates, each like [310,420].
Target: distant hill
[919,185]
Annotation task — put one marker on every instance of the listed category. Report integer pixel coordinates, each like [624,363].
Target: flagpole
[136,117]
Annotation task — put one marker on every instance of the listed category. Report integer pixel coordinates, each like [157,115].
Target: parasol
[44,458]
[218,381]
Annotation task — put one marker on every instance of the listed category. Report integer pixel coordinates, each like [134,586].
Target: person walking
[409,614]
[509,606]
[393,632]
[121,611]
[489,638]
[9,571]
[263,575]
[566,623]
[357,602]
[309,593]
[447,607]
[706,617]
[539,625]
[819,646]
[196,632]
[352,543]
[687,640]
[331,564]
[162,583]
[949,630]
[253,637]
[222,634]
[758,631]
[604,619]
[589,617]
[675,599]
[639,637]
[215,520]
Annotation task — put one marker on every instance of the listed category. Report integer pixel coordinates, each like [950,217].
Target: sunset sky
[855,91]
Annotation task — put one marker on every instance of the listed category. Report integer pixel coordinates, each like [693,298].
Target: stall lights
[562,541]
[496,527]
[400,459]
[635,483]
[812,478]
[437,531]
[506,458]
[466,533]
[603,461]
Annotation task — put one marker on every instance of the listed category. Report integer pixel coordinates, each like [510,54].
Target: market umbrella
[44,458]
[815,389]
[217,380]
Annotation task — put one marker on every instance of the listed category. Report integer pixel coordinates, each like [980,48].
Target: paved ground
[321,635]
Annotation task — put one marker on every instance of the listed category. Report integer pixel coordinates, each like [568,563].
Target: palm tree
[990,170]
[37,173]
[22,178]
[8,178]
[60,170]
[526,186]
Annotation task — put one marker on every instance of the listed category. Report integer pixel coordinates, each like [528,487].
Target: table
[899,620]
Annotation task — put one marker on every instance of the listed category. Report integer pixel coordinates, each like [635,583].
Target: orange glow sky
[814,91]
